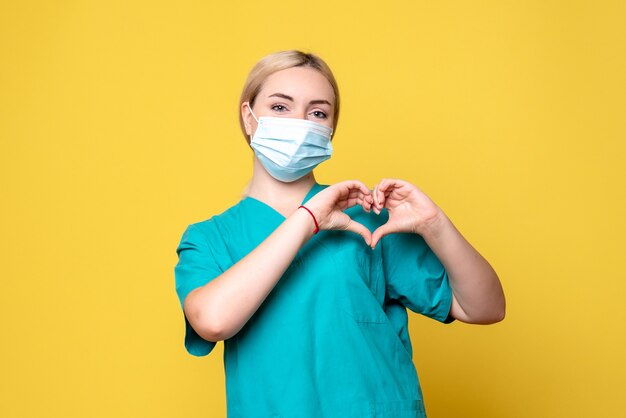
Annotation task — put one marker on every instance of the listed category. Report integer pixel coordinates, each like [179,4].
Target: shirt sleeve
[196,267]
[415,277]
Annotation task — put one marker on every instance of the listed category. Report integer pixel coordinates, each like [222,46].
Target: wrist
[300,226]
[434,227]
[316,226]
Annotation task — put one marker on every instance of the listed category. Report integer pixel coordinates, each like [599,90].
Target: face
[298,92]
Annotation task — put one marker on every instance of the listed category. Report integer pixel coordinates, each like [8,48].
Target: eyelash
[317,113]
[274,107]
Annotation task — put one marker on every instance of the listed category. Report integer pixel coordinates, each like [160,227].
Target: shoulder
[231,214]
[209,229]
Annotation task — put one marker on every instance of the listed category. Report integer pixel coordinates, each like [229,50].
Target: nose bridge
[300,111]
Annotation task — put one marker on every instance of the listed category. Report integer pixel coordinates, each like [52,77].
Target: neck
[266,188]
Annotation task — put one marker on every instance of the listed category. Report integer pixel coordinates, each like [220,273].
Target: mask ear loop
[253,115]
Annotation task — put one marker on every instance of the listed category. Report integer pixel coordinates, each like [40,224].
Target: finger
[386,183]
[359,193]
[367,204]
[361,230]
[380,232]
[388,186]
[344,189]
[382,198]
[375,195]
[375,198]
[353,201]
[391,189]
[384,186]
[358,197]
[354,185]
[357,200]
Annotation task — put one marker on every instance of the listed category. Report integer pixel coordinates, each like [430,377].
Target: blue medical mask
[290,148]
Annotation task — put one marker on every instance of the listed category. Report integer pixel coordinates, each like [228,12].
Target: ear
[247,118]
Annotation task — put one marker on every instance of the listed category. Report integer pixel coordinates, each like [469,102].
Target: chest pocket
[359,277]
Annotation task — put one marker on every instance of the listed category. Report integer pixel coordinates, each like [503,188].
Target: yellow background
[118,127]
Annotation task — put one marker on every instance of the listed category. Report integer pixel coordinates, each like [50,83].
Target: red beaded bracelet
[317,227]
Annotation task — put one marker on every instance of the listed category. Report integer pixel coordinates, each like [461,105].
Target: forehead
[301,83]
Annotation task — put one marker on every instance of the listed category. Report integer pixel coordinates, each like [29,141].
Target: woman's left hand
[477,295]
[410,210]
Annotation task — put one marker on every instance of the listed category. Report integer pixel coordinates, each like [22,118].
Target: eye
[279,108]
[319,114]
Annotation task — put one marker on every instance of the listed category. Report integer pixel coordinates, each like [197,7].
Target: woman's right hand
[220,308]
[328,206]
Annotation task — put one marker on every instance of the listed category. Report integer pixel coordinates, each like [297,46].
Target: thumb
[380,232]
[361,230]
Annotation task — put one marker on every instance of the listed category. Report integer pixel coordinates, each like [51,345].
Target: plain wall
[118,128]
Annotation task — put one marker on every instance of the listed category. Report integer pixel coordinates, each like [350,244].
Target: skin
[219,309]
[477,295]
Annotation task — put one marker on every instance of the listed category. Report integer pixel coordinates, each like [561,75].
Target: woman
[310,303]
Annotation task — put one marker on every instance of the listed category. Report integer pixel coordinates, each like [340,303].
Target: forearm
[219,309]
[478,294]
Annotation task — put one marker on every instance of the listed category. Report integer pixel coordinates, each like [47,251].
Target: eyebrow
[313,102]
[320,102]
[281,95]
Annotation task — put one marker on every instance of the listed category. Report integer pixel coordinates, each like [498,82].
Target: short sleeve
[196,267]
[415,277]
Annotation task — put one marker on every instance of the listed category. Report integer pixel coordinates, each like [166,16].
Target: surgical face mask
[290,148]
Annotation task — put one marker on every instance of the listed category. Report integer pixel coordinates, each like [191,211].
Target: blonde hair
[281,61]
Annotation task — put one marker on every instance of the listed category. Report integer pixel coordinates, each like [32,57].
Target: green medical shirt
[331,339]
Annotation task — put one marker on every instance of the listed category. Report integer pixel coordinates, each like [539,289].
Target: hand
[410,210]
[329,204]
